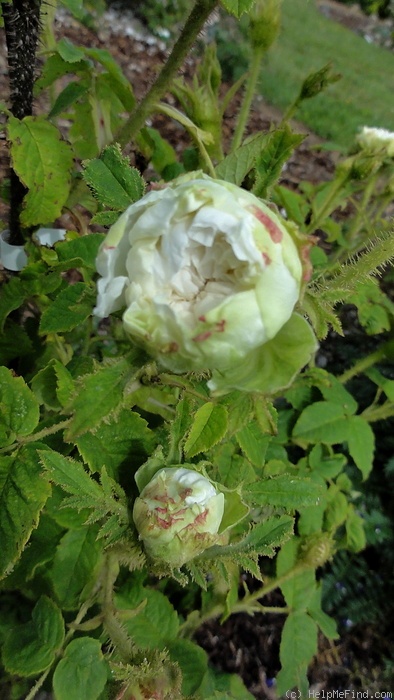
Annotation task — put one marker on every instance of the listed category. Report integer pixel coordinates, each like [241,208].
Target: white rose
[207,275]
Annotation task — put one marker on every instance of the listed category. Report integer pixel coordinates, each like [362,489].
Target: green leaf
[43,163]
[75,566]
[157,622]
[117,443]
[266,536]
[84,247]
[285,491]
[280,146]
[361,443]
[53,385]
[323,421]
[106,218]
[120,85]
[355,534]
[97,396]
[23,494]
[15,342]
[82,672]
[68,51]
[209,427]
[326,623]
[193,662]
[237,7]
[71,307]
[19,408]
[337,509]
[70,475]
[18,289]
[31,648]
[298,590]
[115,184]
[235,167]
[297,648]
[253,443]
[71,93]
[232,469]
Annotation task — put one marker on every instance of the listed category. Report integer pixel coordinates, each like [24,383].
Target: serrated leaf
[361,444]
[284,491]
[70,308]
[209,427]
[114,182]
[106,218]
[253,443]
[97,396]
[68,51]
[15,342]
[355,533]
[326,623]
[297,648]
[31,648]
[235,167]
[71,93]
[43,163]
[70,475]
[156,624]
[75,565]
[323,421]
[113,444]
[84,247]
[19,408]
[82,672]
[17,290]
[193,662]
[280,146]
[237,7]
[53,385]
[23,494]
[265,536]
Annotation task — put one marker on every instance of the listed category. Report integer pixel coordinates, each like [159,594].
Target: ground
[245,645]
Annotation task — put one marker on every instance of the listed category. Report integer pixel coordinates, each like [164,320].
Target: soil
[245,645]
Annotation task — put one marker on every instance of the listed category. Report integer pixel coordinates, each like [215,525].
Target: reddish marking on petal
[161,510]
[163,523]
[306,263]
[220,325]
[272,228]
[171,347]
[200,519]
[202,336]
[266,258]
[202,319]
[109,247]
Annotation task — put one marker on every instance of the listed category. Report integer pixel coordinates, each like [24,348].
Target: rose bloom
[208,276]
[178,515]
[374,139]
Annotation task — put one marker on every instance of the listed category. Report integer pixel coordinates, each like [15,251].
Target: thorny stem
[37,436]
[366,362]
[194,24]
[113,627]
[248,604]
[248,97]
[375,413]
[361,215]
[327,205]
[22,26]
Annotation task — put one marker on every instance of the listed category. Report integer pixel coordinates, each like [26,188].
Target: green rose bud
[265,19]
[209,277]
[178,515]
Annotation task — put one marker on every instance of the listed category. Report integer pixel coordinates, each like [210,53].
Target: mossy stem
[37,436]
[194,24]
[365,363]
[251,83]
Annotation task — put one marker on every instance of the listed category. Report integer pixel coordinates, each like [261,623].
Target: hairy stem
[251,83]
[195,22]
[366,362]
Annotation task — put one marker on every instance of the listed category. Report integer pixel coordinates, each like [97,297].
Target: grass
[308,40]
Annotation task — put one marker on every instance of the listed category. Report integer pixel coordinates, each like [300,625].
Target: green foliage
[87,419]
